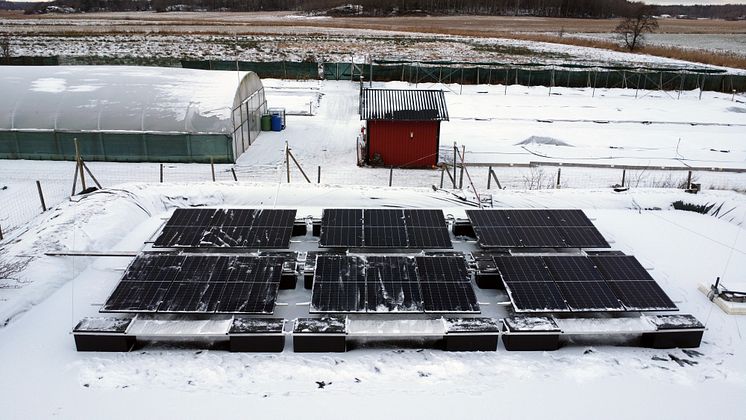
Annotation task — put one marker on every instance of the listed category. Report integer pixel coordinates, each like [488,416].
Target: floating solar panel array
[535,229]
[197,284]
[385,284]
[384,228]
[227,228]
[598,283]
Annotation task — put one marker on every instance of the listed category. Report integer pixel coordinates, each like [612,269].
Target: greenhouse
[133,114]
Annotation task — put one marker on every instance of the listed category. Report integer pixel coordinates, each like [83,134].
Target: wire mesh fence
[22,201]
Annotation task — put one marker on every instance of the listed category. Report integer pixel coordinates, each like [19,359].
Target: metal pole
[233,171]
[624,175]
[689,181]
[212,168]
[489,178]
[161,177]
[442,174]
[559,176]
[1,233]
[318,175]
[701,88]
[391,175]
[41,196]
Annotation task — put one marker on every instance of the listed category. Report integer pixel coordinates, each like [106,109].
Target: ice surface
[180,326]
[395,327]
[604,325]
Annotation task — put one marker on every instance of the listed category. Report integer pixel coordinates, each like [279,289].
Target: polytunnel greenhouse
[120,113]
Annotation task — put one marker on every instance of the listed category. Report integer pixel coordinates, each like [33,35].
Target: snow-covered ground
[499,126]
[725,43]
[582,380]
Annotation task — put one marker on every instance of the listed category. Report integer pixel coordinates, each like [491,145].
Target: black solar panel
[448,297]
[510,228]
[598,283]
[621,267]
[197,284]
[392,284]
[227,228]
[384,228]
[522,269]
[593,296]
[536,296]
[572,269]
[642,295]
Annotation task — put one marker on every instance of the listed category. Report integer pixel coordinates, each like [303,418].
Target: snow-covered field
[41,374]
[726,43]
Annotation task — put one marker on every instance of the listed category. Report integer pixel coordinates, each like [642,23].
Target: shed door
[405,144]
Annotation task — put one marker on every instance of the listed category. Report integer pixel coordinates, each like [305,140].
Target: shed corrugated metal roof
[403,105]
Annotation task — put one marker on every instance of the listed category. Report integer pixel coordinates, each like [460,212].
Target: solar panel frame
[536,296]
[589,296]
[449,297]
[583,237]
[522,269]
[638,295]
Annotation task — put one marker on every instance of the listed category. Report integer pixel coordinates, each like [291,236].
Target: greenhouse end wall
[117,147]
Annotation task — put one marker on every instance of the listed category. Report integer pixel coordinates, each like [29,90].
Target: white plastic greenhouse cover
[122,98]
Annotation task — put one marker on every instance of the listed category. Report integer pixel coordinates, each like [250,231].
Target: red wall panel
[406,144]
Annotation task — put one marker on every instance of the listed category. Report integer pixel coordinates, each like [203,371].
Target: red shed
[403,126]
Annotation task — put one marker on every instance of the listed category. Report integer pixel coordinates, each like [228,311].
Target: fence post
[624,175]
[689,181]
[559,176]
[391,175]
[1,233]
[455,150]
[161,173]
[233,171]
[79,162]
[41,196]
[489,177]
[442,174]
[318,175]
[461,176]
[287,161]
[212,168]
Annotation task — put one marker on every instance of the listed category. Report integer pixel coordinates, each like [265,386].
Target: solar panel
[522,269]
[621,267]
[227,228]
[511,228]
[383,284]
[572,269]
[384,228]
[642,295]
[536,296]
[448,297]
[589,296]
[392,285]
[197,284]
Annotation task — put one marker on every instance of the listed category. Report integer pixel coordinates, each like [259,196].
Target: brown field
[525,28]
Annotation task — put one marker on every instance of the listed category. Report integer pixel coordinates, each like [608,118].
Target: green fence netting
[116,147]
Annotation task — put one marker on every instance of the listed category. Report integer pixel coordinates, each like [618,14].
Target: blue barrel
[276,122]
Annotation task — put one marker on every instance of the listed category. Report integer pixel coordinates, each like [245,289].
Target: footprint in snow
[692,353]
[683,362]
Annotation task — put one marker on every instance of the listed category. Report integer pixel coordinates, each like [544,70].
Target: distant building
[121,113]
[402,126]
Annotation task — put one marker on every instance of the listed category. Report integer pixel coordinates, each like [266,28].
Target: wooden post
[497,181]
[79,160]
[559,176]
[233,171]
[624,175]
[98,184]
[455,150]
[689,180]
[212,168]
[489,177]
[391,175]
[445,166]
[41,196]
[318,175]
[300,168]
[287,161]
[161,174]
[639,79]
[75,179]
[1,233]
[702,87]
[461,176]
[442,175]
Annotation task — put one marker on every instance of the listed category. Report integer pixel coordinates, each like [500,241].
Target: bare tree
[633,28]
[5,46]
